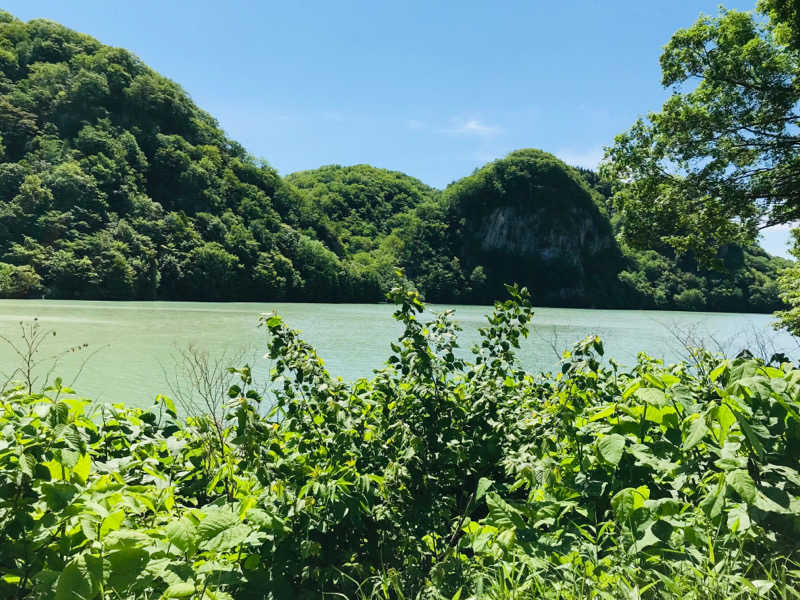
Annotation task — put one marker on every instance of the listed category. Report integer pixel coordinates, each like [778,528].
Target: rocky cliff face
[531,219]
[513,230]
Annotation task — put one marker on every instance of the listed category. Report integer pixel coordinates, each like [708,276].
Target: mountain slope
[113,184]
[360,203]
[529,218]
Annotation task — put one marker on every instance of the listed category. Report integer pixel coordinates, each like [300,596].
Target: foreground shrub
[437,478]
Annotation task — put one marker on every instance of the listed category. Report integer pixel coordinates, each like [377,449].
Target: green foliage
[789,284]
[719,161]
[359,203]
[745,281]
[18,282]
[784,16]
[527,218]
[437,478]
[113,184]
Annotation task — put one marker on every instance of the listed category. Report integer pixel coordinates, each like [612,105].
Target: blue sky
[431,88]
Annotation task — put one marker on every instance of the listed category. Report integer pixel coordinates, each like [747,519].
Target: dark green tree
[720,160]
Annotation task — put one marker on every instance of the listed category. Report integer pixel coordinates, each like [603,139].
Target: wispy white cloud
[472,127]
[588,159]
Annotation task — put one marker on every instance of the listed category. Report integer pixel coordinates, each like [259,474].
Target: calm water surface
[132,346]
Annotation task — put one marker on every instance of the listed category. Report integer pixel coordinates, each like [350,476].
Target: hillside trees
[113,184]
[528,218]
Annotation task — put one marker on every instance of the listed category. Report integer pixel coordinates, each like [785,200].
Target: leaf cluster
[442,476]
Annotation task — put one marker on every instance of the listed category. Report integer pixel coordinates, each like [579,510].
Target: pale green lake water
[132,344]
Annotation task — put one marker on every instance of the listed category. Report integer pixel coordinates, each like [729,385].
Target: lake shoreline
[382,303]
[135,345]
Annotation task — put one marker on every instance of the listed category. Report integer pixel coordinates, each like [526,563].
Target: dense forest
[114,185]
[528,218]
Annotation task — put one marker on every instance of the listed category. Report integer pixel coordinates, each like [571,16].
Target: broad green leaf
[654,414]
[655,532]
[57,470]
[717,372]
[58,495]
[729,464]
[180,590]
[83,468]
[73,583]
[181,533]
[501,514]
[774,500]
[738,520]
[697,431]
[714,501]
[112,522]
[611,447]
[628,500]
[216,521]
[79,579]
[69,458]
[744,485]
[622,503]
[483,486]
[756,434]
[631,389]
[126,538]
[725,419]
[228,539]
[89,523]
[168,403]
[606,412]
[507,537]
[125,566]
[27,463]
[669,379]
[652,396]
[646,457]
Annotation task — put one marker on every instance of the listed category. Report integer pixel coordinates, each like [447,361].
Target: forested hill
[527,218]
[113,184]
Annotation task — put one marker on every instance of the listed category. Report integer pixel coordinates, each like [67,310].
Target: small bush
[691,299]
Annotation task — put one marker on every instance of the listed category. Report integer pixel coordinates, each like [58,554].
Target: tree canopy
[721,159]
[113,184]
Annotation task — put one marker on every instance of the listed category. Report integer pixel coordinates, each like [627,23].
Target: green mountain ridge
[115,185]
